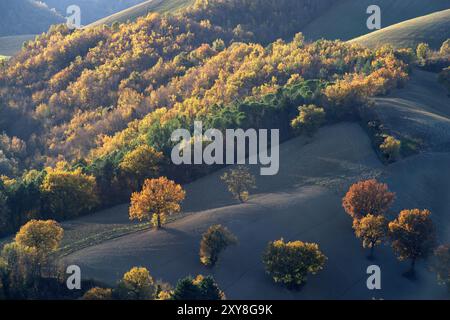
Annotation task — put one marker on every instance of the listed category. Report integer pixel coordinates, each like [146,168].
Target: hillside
[21,17]
[432,29]
[92,10]
[10,45]
[346,19]
[143,9]
[302,202]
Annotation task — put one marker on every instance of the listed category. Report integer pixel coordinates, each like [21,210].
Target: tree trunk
[158,221]
[371,251]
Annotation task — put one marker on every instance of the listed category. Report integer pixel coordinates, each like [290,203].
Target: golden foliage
[44,236]
[158,199]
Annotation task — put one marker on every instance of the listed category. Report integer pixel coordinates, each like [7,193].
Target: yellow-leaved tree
[158,199]
[140,164]
[68,193]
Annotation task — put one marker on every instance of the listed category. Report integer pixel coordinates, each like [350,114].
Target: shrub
[216,239]
[391,148]
[239,182]
[310,118]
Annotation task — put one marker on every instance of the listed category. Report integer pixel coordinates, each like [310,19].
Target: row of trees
[411,235]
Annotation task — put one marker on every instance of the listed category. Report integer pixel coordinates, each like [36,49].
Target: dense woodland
[86,115]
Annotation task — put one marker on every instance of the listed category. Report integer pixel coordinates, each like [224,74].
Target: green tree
[412,235]
[372,230]
[216,239]
[310,118]
[200,288]
[290,263]
[239,182]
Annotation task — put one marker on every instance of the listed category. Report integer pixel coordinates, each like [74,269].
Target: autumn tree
[200,288]
[98,293]
[423,51]
[391,148]
[290,263]
[441,264]
[136,284]
[310,118]
[412,235]
[216,239]
[372,230]
[140,164]
[366,197]
[158,199]
[69,193]
[445,48]
[44,236]
[20,270]
[239,182]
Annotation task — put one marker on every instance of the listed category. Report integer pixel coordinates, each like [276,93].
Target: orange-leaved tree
[158,199]
[412,235]
[366,197]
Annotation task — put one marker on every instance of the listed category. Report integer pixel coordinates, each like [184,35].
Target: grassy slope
[12,44]
[134,12]
[432,29]
[347,19]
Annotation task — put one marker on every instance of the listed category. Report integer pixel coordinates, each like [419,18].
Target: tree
[423,51]
[140,164]
[44,236]
[412,235]
[290,263]
[136,284]
[441,264]
[69,193]
[200,288]
[239,181]
[366,197]
[97,293]
[372,230]
[159,198]
[310,118]
[5,219]
[216,239]
[445,48]
[391,148]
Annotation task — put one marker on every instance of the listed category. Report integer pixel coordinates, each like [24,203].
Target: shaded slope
[302,202]
[143,9]
[20,17]
[432,29]
[347,18]
[420,111]
[9,46]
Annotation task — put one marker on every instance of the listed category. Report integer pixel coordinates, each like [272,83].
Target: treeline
[93,109]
